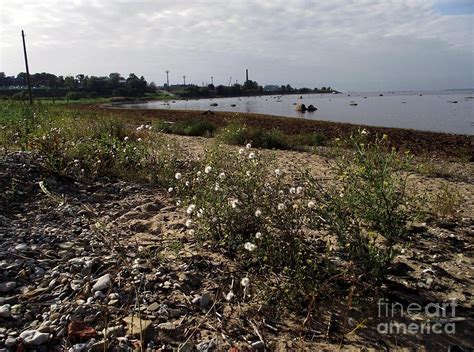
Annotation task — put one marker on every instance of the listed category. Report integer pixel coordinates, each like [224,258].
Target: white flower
[281,206]
[177,176]
[299,189]
[258,235]
[222,175]
[229,296]
[245,281]
[292,190]
[248,173]
[178,203]
[278,172]
[199,173]
[251,155]
[191,232]
[249,246]
[190,209]
[311,204]
[139,128]
[147,126]
[139,139]
[125,139]
[364,132]
[258,212]
[187,183]
[170,189]
[241,151]
[248,146]
[207,169]
[76,161]
[189,223]
[217,187]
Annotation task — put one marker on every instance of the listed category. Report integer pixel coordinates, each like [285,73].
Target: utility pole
[167,79]
[212,80]
[184,80]
[27,69]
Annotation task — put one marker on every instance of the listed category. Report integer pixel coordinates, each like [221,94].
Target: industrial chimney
[246,75]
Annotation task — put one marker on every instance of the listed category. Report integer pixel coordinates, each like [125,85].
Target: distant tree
[70,83]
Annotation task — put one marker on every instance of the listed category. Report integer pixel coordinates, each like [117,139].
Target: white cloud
[347,44]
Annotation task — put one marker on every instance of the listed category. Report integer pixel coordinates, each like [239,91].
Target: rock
[102,283]
[312,108]
[168,326]
[258,345]
[21,247]
[137,326]
[33,337]
[7,286]
[5,311]
[205,299]
[154,306]
[300,108]
[10,341]
[213,104]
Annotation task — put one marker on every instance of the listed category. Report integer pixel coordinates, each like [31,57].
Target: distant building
[271,88]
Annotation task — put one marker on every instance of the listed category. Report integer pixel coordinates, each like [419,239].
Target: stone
[102,283]
[7,286]
[300,108]
[154,306]
[168,326]
[34,337]
[136,326]
[312,108]
[258,345]
[205,299]
[10,341]
[5,311]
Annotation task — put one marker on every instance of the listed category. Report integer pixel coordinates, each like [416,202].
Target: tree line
[248,88]
[79,86]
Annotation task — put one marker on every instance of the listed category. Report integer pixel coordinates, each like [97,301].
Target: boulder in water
[300,107]
[312,108]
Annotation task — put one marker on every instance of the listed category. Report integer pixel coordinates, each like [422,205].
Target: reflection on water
[441,111]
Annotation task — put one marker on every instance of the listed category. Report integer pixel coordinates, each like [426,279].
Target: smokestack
[246,75]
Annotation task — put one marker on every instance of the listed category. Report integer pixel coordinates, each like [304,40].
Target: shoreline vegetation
[133,88]
[276,233]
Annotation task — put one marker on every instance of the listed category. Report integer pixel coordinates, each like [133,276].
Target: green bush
[187,127]
[368,209]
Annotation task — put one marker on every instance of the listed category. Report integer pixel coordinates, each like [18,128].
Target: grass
[237,133]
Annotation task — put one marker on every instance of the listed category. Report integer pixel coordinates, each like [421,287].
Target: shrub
[368,209]
[446,202]
[238,201]
[187,127]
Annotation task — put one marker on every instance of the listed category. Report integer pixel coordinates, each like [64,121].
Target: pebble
[10,341]
[258,345]
[7,286]
[34,337]
[102,283]
[5,311]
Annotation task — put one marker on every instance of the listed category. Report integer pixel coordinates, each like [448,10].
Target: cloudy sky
[347,44]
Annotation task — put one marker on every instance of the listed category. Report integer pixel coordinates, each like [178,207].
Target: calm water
[432,111]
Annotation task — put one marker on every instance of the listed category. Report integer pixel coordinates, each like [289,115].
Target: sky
[364,45]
